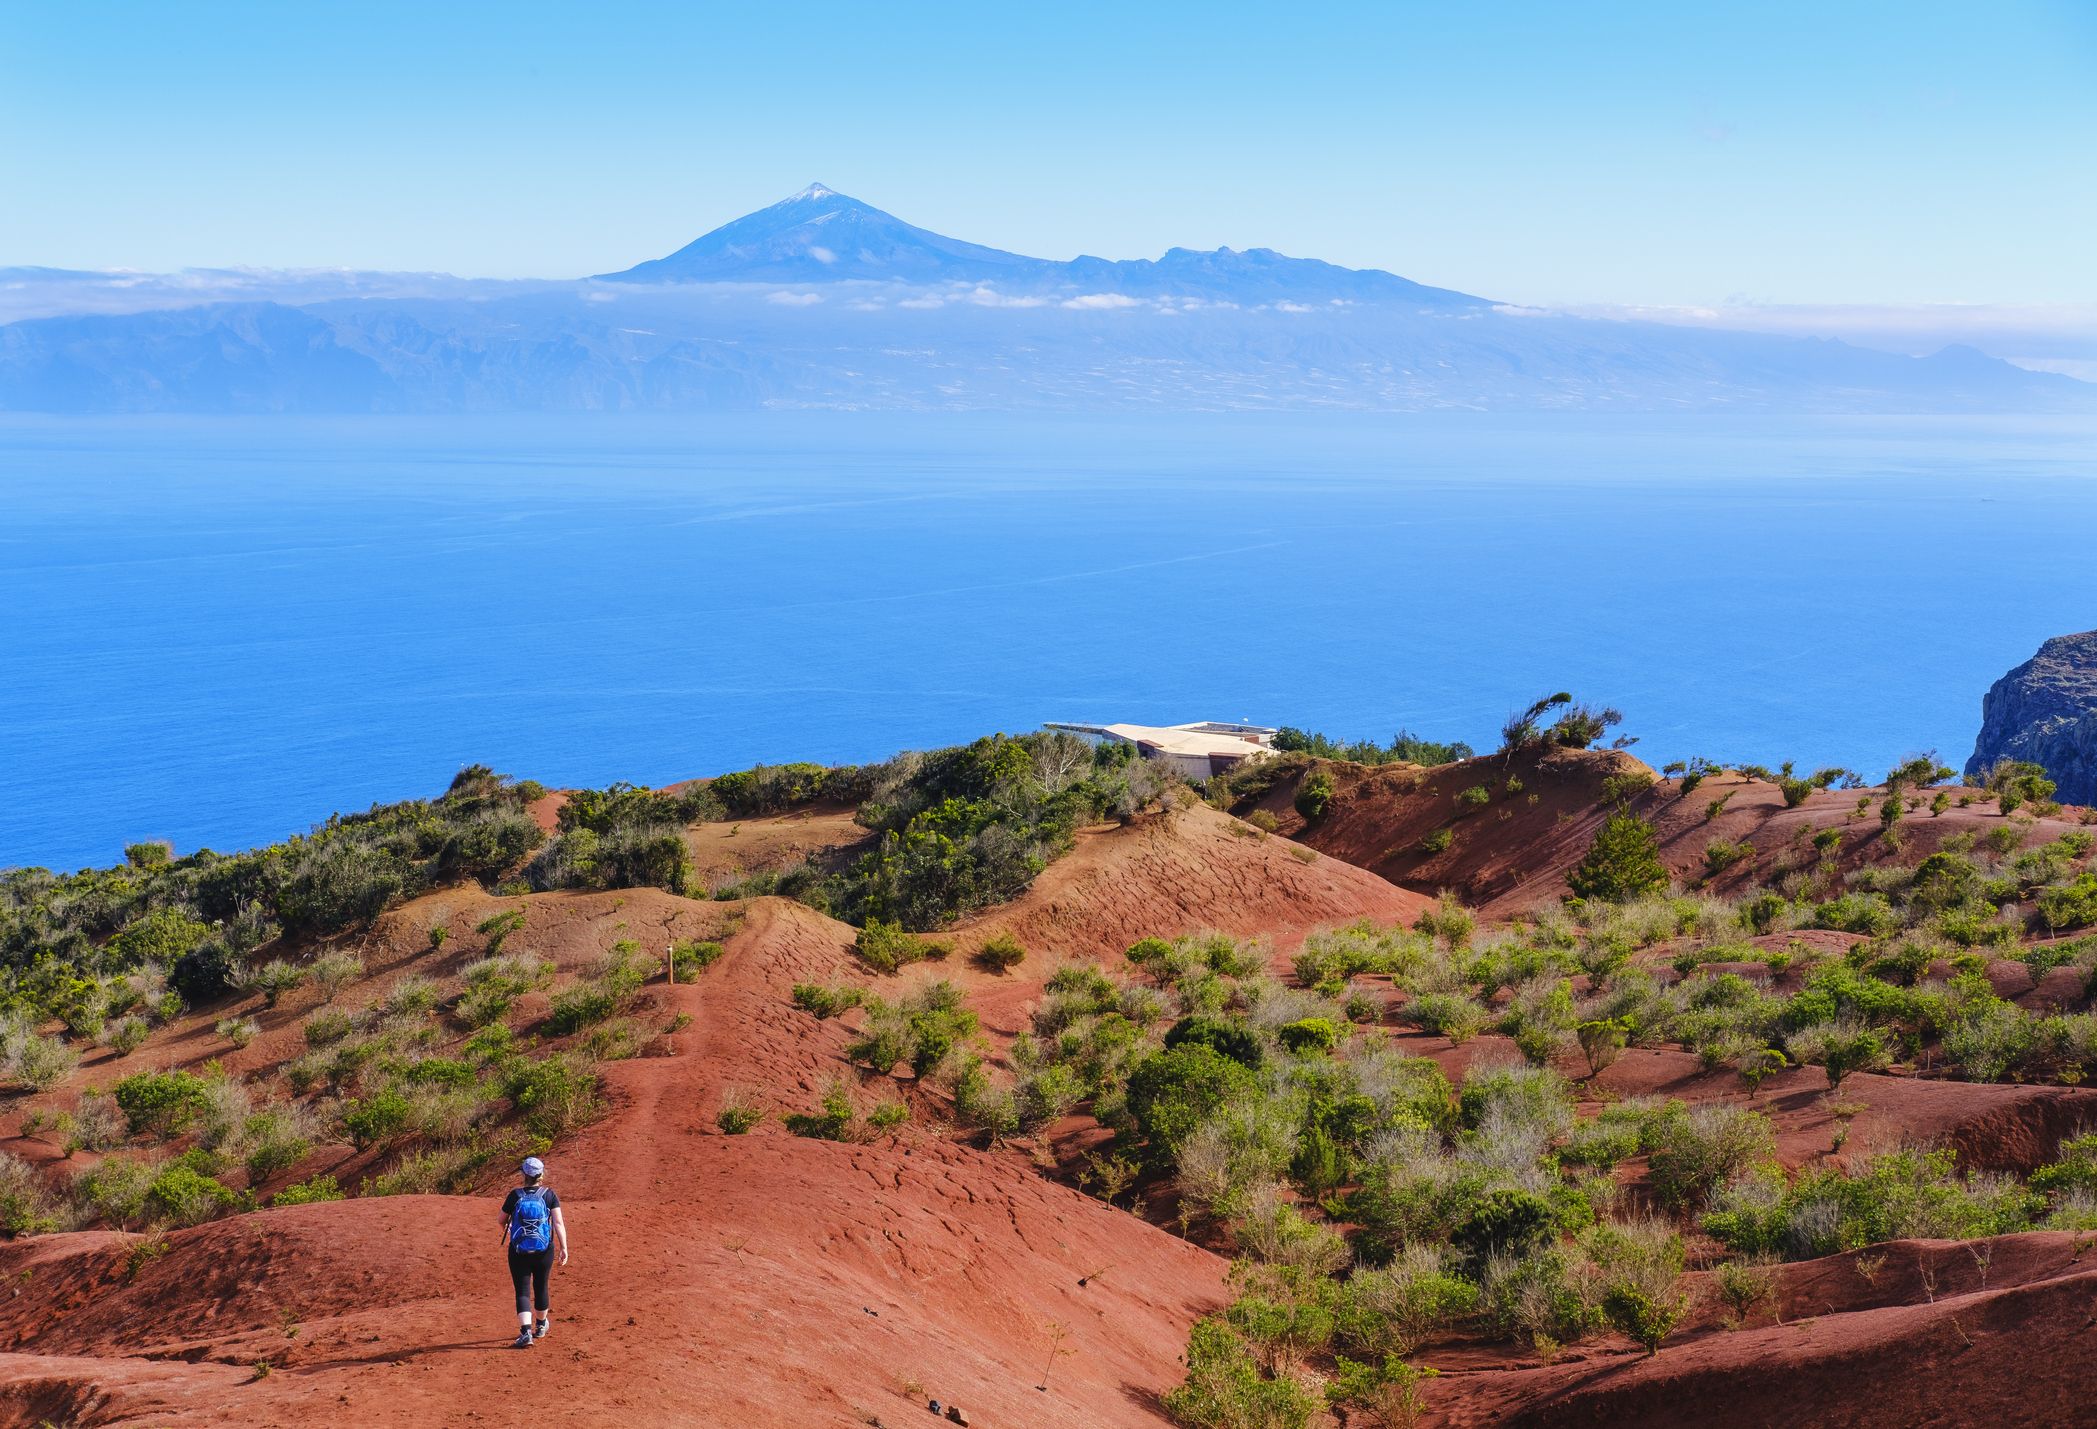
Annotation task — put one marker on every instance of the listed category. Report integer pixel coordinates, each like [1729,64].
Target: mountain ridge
[823,301]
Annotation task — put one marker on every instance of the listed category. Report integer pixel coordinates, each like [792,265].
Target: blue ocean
[218,632]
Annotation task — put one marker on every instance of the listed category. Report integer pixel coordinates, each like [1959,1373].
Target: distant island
[822,301]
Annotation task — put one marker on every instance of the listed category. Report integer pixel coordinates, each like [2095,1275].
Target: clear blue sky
[1614,153]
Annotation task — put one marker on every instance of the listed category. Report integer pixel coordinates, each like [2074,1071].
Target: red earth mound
[1193,870]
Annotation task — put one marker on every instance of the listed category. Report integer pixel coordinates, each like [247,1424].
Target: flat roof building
[1197,751]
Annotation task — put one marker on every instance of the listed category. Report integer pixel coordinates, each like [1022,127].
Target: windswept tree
[1525,727]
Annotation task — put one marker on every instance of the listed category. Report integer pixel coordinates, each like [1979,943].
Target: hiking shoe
[523,1340]
[539,1332]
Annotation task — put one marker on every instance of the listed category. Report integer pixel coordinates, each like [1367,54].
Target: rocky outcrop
[2045,711]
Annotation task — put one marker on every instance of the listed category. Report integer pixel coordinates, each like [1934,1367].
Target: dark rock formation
[2045,711]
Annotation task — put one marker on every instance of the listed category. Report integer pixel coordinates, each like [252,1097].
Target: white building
[1197,751]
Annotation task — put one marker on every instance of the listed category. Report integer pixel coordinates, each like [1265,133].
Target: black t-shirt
[509,1202]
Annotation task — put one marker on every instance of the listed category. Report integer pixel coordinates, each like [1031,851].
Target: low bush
[1314,795]
[1001,954]
[834,1119]
[1693,1152]
[690,958]
[555,1095]
[1225,1389]
[306,1193]
[886,947]
[161,1103]
[739,1114]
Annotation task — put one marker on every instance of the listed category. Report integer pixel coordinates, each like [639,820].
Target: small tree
[1623,862]
[1601,1041]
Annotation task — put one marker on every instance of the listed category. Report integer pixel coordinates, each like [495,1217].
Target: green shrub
[184,1196]
[26,1207]
[113,1191]
[1641,1274]
[1602,1041]
[1314,795]
[2070,905]
[1228,1036]
[497,928]
[1720,855]
[204,973]
[688,959]
[1476,797]
[824,1003]
[493,1043]
[580,1006]
[378,1118]
[240,1031]
[272,979]
[885,947]
[161,1103]
[1897,1195]
[1506,1219]
[305,1193]
[1623,862]
[2015,783]
[328,1026]
[1392,1310]
[1387,1393]
[1310,1036]
[555,1095]
[494,983]
[1172,1092]
[273,1140]
[1437,841]
[1694,1152]
[887,1116]
[1224,1388]
[738,1114]
[834,1118]
[1001,954]
[1446,1014]
[1866,913]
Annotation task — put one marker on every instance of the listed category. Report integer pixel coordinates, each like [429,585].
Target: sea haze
[220,631]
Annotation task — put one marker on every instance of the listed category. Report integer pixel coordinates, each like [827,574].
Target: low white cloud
[600,296]
[929,300]
[1288,307]
[866,305]
[821,254]
[794,300]
[986,296]
[1103,300]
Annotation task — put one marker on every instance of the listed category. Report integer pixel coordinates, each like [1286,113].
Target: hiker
[532,1227]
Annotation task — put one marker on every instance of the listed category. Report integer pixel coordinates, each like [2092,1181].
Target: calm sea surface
[219,632]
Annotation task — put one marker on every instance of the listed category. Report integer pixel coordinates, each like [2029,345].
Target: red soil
[755,1280]
[1511,856]
[769,1280]
[724,853]
[2001,1343]
[1194,870]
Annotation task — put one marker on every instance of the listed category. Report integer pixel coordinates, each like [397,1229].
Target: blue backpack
[531,1224]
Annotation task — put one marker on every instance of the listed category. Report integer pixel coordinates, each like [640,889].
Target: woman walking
[532,1230]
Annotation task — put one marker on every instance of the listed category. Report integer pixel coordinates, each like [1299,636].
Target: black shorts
[529,1272]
